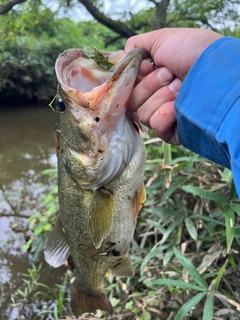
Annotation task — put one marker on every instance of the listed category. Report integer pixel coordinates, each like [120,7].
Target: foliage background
[186,247]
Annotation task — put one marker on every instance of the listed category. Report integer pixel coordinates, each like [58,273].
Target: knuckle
[142,116]
[147,85]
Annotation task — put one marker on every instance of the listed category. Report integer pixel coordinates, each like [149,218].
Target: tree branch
[8,6]
[121,28]
[194,19]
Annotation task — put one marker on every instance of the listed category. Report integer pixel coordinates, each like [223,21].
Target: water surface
[26,148]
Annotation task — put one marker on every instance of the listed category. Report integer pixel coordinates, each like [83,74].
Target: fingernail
[175,85]
[164,75]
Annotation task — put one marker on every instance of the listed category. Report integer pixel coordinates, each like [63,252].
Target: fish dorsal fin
[100,215]
[56,248]
[123,269]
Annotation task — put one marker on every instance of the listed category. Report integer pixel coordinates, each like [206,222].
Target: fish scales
[101,159]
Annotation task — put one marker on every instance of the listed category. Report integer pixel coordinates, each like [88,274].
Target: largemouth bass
[101,159]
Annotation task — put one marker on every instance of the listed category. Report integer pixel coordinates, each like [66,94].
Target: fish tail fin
[82,302]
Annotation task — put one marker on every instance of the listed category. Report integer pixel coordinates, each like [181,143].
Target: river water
[26,148]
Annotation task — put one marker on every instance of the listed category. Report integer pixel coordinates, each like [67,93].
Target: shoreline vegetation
[29,46]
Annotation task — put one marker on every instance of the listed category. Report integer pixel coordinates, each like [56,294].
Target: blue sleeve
[208,106]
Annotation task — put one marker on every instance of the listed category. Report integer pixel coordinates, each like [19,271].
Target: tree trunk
[116,26]
[161,13]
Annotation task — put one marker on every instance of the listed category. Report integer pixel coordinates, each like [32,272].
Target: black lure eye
[61,105]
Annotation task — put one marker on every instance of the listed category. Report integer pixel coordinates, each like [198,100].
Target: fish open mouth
[82,74]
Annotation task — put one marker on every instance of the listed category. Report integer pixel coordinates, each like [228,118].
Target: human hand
[173,51]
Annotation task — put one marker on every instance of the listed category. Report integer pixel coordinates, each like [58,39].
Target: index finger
[149,41]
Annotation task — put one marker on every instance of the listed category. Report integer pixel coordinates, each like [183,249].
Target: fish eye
[61,105]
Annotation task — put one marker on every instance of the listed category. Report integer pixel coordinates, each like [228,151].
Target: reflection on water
[26,148]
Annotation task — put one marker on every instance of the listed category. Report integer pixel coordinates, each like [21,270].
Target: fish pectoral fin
[137,202]
[123,269]
[83,301]
[56,248]
[100,215]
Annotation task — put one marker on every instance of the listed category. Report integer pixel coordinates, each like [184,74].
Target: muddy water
[26,148]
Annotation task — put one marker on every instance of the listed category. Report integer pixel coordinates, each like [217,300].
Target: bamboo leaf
[236,208]
[175,283]
[170,229]
[156,225]
[207,194]
[149,256]
[168,256]
[173,187]
[208,307]
[189,267]
[191,228]
[219,276]
[183,311]
[230,223]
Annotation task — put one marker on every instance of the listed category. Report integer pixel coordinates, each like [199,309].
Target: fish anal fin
[56,248]
[123,268]
[82,301]
[100,215]
[137,202]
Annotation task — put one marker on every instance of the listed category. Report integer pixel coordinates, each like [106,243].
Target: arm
[203,113]
[208,106]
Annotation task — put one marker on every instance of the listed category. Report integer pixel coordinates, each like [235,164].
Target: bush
[30,42]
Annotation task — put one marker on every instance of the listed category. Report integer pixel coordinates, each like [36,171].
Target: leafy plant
[31,40]
[197,211]
[33,287]
[41,221]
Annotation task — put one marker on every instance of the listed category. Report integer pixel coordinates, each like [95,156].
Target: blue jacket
[208,106]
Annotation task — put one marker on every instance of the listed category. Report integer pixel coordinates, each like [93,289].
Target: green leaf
[129,305]
[236,208]
[168,256]
[191,228]
[230,223]
[231,261]
[149,256]
[173,187]
[55,313]
[170,229]
[208,219]
[145,316]
[114,301]
[98,57]
[38,229]
[47,227]
[219,275]
[156,225]
[227,175]
[21,292]
[174,283]
[208,307]
[207,194]
[27,245]
[189,267]
[183,311]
